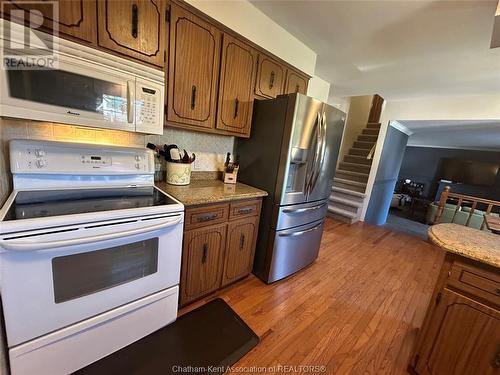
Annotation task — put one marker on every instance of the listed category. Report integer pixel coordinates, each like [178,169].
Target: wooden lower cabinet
[217,254]
[240,249]
[202,261]
[461,332]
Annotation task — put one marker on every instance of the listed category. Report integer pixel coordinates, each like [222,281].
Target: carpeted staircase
[349,184]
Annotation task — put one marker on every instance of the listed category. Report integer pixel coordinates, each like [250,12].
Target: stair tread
[355,164]
[339,211]
[345,201]
[357,157]
[348,192]
[349,182]
[352,173]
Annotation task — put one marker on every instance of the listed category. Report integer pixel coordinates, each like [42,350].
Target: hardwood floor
[356,310]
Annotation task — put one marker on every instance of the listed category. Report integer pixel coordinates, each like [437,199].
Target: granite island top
[468,242]
[210,191]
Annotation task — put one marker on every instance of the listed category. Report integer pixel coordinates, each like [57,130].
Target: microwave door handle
[34,246]
[130,101]
[307,180]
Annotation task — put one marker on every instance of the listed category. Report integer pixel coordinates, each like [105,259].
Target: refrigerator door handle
[310,171]
[299,233]
[320,153]
[302,210]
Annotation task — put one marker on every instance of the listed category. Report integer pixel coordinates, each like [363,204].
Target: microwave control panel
[147,105]
[28,156]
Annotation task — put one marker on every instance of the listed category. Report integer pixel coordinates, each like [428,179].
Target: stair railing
[372,151]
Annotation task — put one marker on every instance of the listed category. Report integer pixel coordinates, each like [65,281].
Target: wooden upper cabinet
[270,77]
[235,104]
[295,82]
[202,261]
[463,338]
[134,28]
[76,18]
[240,247]
[193,69]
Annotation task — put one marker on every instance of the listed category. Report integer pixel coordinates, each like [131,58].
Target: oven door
[54,278]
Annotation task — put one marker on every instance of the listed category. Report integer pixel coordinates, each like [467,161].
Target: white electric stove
[90,254]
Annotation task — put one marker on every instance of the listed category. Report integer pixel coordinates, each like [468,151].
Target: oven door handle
[14,245]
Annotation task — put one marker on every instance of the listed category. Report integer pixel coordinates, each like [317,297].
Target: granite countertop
[210,191]
[471,243]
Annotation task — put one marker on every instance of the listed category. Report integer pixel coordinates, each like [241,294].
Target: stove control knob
[138,157]
[137,166]
[39,153]
[41,163]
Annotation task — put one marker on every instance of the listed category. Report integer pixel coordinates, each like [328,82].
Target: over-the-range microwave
[88,87]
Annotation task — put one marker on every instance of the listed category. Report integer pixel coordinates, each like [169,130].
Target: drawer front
[479,282]
[239,210]
[207,215]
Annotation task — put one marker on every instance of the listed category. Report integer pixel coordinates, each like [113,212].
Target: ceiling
[399,49]
[478,135]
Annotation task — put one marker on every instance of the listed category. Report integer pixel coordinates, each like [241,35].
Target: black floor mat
[211,335]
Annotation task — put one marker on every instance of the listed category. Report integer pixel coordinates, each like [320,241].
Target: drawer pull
[242,241]
[246,210]
[202,219]
[204,256]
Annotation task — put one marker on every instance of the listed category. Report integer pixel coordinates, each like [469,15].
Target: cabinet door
[239,65]
[295,82]
[240,249]
[202,261]
[463,338]
[134,28]
[76,18]
[193,70]
[270,77]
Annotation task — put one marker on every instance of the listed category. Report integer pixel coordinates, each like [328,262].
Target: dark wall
[422,164]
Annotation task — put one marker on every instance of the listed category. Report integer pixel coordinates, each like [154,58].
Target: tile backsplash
[210,149]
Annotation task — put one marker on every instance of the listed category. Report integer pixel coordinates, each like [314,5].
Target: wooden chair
[460,199]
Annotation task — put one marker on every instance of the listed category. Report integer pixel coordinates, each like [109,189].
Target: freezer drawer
[294,249]
[300,214]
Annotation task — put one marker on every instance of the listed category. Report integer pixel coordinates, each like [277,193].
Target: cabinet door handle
[497,291]
[202,219]
[135,20]
[236,105]
[193,97]
[271,80]
[242,241]
[205,251]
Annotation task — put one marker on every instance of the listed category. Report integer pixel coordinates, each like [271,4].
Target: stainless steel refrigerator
[292,154]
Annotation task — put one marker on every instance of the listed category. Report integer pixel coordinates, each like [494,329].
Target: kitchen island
[461,330]
[221,223]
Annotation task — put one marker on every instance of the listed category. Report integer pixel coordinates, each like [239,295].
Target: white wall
[318,88]
[242,17]
[479,107]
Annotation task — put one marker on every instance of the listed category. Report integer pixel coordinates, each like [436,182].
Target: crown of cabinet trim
[131,49]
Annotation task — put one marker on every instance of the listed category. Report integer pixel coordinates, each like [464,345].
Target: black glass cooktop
[46,203]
